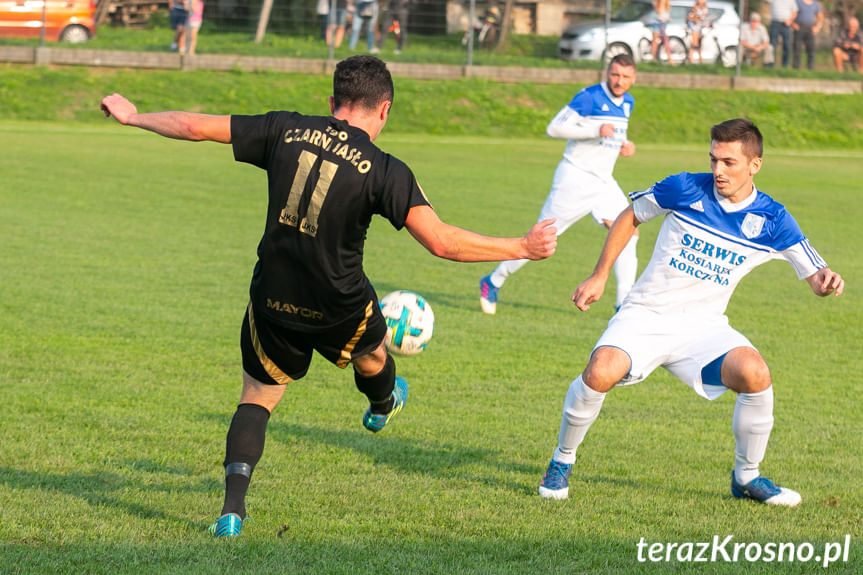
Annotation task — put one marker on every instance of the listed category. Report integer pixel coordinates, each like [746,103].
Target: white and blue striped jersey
[579,122]
[707,244]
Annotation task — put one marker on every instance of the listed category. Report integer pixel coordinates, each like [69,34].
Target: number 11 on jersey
[290,213]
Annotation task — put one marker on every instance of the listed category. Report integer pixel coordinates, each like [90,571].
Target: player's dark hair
[740,130]
[362,81]
[624,60]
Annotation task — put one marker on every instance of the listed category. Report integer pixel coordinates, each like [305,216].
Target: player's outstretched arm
[177,125]
[825,282]
[590,290]
[458,244]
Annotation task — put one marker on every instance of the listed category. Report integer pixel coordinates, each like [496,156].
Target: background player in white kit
[594,123]
[717,228]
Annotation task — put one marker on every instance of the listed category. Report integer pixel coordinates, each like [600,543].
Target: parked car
[629,32]
[65,20]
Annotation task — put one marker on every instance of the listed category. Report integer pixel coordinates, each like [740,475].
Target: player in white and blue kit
[716,228]
[594,124]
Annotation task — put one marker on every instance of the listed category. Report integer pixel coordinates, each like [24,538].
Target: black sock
[243,448]
[379,388]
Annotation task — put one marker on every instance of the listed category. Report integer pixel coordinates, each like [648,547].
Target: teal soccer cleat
[375,422]
[228,525]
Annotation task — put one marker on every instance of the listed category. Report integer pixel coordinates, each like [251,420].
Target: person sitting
[755,41]
[849,46]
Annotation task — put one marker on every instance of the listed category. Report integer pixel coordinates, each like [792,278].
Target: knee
[606,368]
[745,371]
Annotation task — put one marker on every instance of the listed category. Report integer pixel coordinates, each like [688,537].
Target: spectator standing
[323,11]
[849,46]
[782,15]
[367,12]
[336,24]
[806,26]
[663,17]
[755,41]
[196,18]
[696,20]
[396,21]
[178,17]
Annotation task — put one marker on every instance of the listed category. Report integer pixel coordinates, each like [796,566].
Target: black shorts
[275,354]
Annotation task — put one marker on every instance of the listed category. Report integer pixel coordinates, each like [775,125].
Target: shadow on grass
[108,490]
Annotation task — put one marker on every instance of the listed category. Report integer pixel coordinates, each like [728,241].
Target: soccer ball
[410,322]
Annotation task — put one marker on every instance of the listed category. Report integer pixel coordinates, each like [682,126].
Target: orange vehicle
[65,20]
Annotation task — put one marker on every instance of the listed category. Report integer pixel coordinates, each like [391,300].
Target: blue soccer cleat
[228,525]
[763,490]
[488,295]
[375,422]
[555,482]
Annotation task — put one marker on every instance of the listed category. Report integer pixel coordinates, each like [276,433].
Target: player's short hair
[362,81]
[740,130]
[624,60]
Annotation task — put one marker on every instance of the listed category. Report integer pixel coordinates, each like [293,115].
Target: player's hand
[588,291]
[119,107]
[825,282]
[541,240]
[606,131]
[627,149]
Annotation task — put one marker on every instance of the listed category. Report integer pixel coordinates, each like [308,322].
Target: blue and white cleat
[487,295]
[555,482]
[375,422]
[228,525]
[763,490]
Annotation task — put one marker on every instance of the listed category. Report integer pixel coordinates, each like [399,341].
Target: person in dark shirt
[326,179]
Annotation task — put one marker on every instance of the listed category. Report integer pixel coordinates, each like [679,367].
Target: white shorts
[576,193]
[682,344]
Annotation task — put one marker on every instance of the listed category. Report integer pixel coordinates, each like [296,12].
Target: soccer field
[126,260]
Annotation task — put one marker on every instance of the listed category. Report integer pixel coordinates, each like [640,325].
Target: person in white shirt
[716,228]
[782,16]
[594,124]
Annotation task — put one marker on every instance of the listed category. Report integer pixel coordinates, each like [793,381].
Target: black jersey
[326,180]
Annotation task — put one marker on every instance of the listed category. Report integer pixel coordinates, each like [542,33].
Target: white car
[629,32]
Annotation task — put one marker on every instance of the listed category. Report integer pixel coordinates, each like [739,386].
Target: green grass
[472,107]
[126,260]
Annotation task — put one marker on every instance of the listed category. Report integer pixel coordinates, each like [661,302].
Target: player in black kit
[326,179]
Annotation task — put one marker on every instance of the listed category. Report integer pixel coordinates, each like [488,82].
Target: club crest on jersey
[751,226]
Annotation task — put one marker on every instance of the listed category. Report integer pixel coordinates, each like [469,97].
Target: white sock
[625,270]
[580,410]
[503,271]
[751,424]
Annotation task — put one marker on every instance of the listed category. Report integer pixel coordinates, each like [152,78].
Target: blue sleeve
[679,190]
[582,103]
[785,231]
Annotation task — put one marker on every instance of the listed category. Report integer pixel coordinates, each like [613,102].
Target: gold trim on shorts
[345,356]
[269,366]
